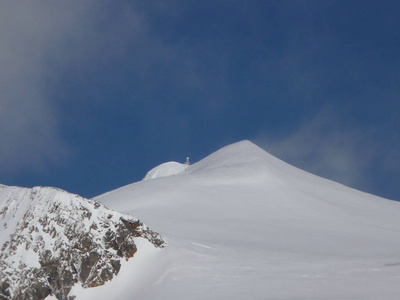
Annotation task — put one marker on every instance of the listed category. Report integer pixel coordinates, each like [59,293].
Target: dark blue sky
[94,94]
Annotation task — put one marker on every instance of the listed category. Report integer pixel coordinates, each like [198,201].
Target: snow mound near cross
[166,169]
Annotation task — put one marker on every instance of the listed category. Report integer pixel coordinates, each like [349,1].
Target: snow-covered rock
[51,240]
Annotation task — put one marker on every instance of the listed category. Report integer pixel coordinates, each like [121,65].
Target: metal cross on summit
[187,160]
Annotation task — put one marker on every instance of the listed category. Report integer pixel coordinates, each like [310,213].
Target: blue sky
[94,94]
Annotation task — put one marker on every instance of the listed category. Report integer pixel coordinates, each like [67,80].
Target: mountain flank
[52,240]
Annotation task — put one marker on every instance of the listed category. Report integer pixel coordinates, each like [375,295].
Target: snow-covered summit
[166,169]
[238,155]
[242,224]
[247,160]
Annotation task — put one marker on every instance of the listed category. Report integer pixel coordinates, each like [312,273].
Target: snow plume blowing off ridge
[52,240]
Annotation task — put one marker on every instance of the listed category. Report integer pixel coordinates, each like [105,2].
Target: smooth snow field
[242,224]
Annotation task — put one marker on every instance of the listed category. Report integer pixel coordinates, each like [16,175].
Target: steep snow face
[166,169]
[51,240]
[242,224]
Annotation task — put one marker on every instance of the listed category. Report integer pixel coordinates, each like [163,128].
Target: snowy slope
[242,224]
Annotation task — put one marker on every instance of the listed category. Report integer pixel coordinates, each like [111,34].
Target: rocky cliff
[51,240]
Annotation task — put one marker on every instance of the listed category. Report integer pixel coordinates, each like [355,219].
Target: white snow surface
[242,224]
[166,169]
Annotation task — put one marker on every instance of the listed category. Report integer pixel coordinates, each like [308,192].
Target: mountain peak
[237,152]
[233,154]
[244,153]
[241,146]
[243,224]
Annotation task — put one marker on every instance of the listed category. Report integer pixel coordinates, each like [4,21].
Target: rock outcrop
[51,240]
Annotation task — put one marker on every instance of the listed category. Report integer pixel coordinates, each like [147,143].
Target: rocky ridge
[51,240]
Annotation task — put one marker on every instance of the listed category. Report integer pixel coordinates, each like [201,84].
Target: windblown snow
[242,224]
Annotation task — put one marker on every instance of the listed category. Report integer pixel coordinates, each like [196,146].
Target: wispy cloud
[43,45]
[39,41]
[28,133]
[326,146]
